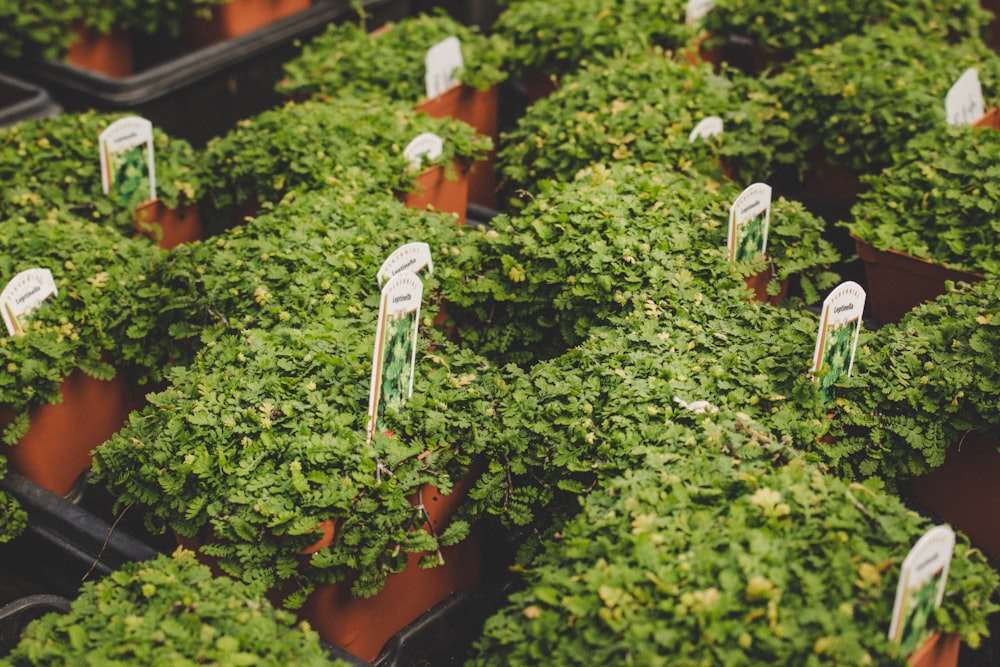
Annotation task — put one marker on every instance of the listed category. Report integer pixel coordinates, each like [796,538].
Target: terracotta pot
[963,490]
[109,54]
[239,17]
[171,227]
[990,119]
[57,448]
[434,190]
[758,282]
[938,651]
[898,282]
[480,109]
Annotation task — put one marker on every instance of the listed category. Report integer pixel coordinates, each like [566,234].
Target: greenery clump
[168,611]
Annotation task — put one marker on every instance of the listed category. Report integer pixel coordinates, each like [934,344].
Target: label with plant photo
[443,63]
[922,580]
[709,126]
[749,219]
[964,103]
[415,257]
[395,347]
[127,164]
[837,340]
[25,292]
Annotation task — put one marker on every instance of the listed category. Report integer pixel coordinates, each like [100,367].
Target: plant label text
[443,63]
[127,163]
[25,292]
[749,219]
[709,126]
[837,339]
[922,580]
[697,9]
[964,104]
[425,145]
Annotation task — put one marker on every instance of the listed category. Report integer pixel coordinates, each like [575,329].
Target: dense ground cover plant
[51,169]
[581,252]
[262,438]
[920,386]
[696,558]
[391,63]
[350,143]
[170,610]
[858,101]
[937,201]
[641,108]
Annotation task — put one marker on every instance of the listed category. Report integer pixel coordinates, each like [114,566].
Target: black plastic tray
[198,94]
[20,100]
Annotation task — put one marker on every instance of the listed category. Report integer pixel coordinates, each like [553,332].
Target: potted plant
[390,63]
[928,218]
[208,22]
[167,610]
[722,560]
[51,169]
[311,145]
[87,351]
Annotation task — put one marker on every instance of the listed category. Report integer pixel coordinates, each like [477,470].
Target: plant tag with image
[709,126]
[443,62]
[837,340]
[696,10]
[395,347]
[922,580]
[25,292]
[964,104]
[749,218]
[415,257]
[425,145]
[127,163]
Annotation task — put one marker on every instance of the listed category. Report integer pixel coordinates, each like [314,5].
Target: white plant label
[697,9]
[424,146]
[127,161]
[964,103]
[443,63]
[395,352]
[25,292]
[415,257]
[922,580]
[837,339]
[709,126]
[749,219]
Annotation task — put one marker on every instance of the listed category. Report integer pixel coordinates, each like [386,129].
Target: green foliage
[920,386]
[937,201]
[168,611]
[641,108]
[547,37]
[13,518]
[348,58]
[51,170]
[858,101]
[351,143]
[710,559]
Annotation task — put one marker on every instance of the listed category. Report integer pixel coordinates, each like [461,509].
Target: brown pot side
[239,17]
[831,182]
[57,448]
[538,86]
[938,651]
[434,190]
[758,282]
[169,227]
[109,54]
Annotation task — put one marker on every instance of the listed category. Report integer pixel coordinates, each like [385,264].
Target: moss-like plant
[170,610]
[641,108]
[938,201]
[391,63]
[51,170]
[709,559]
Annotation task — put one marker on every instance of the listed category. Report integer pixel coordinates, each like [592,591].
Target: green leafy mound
[388,63]
[938,201]
[858,101]
[711,559]
[641,108]
[51,170]
[350,144]
[168,611]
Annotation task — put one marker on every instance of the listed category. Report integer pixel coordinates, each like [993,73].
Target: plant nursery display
[170,610]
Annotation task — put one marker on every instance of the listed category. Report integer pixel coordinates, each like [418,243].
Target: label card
[749,218]
[964,104]
[395,351]
[127,162]
[443,63]
[414,257]
[696,10]
[426,145]
[24,293]
[709,126]
[837,340]
[922,580]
